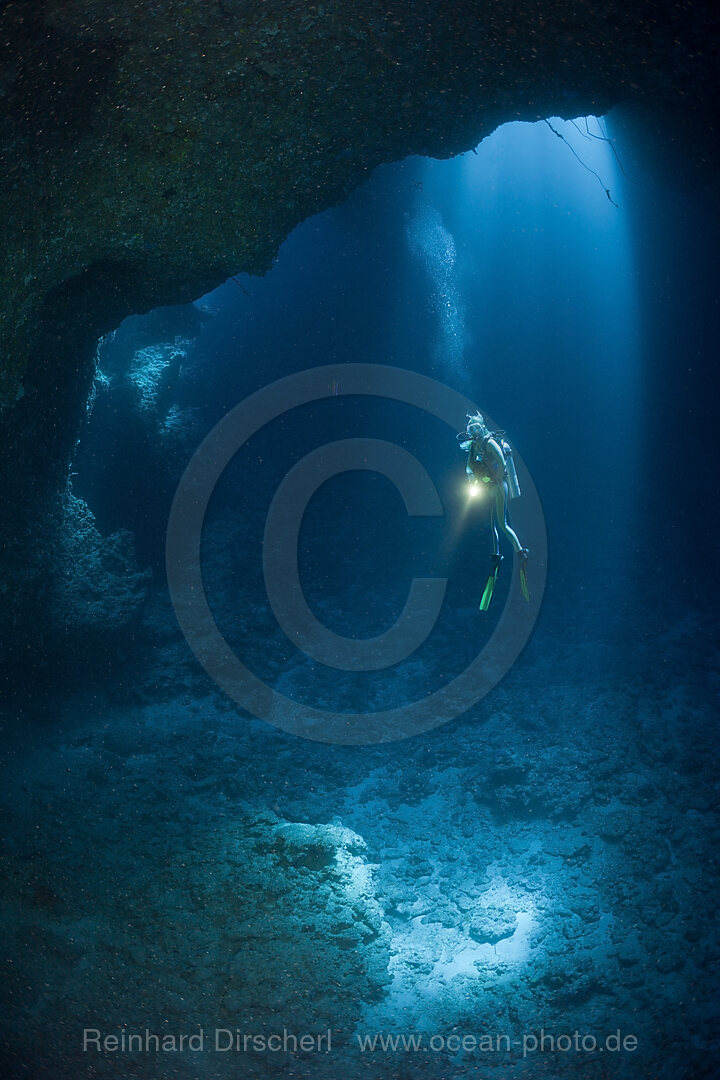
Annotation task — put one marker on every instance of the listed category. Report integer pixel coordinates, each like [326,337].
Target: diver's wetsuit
[487,464]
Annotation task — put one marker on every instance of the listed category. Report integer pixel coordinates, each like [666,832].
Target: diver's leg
[496,559]
[494,531]
[501,512]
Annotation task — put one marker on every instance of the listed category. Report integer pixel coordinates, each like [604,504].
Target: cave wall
[151,150]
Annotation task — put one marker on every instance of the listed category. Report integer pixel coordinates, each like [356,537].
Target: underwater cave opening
[507,273]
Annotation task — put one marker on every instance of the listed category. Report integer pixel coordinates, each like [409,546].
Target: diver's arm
[471,459]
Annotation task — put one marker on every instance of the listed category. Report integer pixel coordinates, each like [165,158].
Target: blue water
[532,872]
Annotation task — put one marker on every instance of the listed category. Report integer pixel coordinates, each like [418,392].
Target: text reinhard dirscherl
[219,1040]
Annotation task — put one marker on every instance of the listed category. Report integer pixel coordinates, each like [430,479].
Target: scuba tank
[510,471]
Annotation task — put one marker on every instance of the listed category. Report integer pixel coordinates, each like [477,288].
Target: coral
[279,917]
[153,370]
[94,582]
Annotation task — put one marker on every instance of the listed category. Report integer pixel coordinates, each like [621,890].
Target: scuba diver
[490,468]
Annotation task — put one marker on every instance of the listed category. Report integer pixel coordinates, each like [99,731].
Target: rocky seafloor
[541,864]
